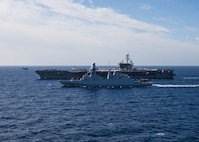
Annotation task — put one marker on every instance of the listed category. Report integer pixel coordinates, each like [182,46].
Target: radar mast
[127,58]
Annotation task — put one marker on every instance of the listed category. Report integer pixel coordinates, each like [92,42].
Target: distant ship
[24,68]
[115,80]
[124,68]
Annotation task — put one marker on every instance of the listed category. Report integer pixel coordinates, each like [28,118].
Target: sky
[80,32]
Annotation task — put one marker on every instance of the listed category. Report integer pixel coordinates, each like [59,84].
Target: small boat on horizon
[115,80]
[24,68]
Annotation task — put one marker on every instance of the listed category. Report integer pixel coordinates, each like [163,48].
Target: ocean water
[41,110]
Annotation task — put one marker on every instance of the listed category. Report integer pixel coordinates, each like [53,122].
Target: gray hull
[69,83]
[133,73]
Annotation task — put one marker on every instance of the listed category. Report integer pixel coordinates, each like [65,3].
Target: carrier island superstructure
[123,67]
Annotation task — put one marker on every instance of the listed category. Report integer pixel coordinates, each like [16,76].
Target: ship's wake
[176,85]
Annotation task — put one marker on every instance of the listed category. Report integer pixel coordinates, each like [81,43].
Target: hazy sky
[80,32]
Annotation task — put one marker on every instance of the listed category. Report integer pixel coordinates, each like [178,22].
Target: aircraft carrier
[125,68]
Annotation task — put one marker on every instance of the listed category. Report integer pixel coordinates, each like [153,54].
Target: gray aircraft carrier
[126,68]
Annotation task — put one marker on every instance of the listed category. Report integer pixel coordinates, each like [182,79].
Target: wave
[160,134]
[176,85]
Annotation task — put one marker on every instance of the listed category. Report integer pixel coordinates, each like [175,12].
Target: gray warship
[123,67]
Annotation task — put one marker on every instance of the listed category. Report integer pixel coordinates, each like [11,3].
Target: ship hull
[104,84]
[60,74]
[134,73]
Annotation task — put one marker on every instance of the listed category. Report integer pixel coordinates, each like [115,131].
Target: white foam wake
[176,85]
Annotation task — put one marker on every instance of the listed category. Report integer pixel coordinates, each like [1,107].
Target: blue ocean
[43,111]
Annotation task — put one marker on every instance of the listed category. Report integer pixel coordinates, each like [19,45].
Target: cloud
[191,29]
[146,7]
[196,38]
[64,32]
[82,1]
